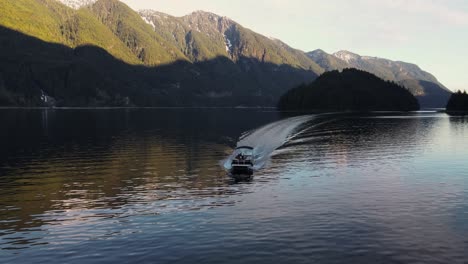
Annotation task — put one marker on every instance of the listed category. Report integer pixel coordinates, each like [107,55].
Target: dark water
[149,186]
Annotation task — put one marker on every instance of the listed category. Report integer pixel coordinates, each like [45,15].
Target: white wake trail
[267,139]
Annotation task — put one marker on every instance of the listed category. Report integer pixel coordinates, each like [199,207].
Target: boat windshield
[246,152]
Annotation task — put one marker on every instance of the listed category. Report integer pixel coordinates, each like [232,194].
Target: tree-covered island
[349,90]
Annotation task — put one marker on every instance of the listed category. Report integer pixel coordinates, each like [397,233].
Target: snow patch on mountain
[77,4]
[346,56]
[149,22]
[228,43]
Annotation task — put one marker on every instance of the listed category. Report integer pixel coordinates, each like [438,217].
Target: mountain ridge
[77,4]
[221,36]
[209,46]
[424,85]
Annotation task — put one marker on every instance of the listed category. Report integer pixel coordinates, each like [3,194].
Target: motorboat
[243,161]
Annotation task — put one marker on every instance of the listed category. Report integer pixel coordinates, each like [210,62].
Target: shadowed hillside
[201,59]
[89,76]
[106,54]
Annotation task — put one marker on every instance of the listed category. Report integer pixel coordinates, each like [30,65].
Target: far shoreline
[441,110]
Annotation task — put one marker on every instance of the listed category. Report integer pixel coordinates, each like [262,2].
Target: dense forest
[38,73]
[458,102]
[349,90]
[107,54]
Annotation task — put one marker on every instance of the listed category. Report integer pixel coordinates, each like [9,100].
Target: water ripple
[335,189]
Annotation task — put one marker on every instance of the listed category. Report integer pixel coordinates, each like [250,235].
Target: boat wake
[265,140]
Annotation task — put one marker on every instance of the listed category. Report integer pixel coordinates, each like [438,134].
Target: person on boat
[240,156]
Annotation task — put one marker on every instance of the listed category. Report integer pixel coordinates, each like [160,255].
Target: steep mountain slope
[429,91]
[203,35]
[82,70]
[138,36]
[51,21]
[89,76]
[195,45]
[387,69]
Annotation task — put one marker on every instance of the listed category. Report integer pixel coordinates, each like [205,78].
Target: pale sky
[430,33]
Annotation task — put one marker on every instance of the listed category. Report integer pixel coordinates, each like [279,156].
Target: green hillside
[197,46]
[37,18]
[161,39]
[244,43]
[203,35]
[31,70]
[138,36]
[51,21]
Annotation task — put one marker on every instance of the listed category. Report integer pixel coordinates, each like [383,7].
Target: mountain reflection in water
[147,185]
[63,162]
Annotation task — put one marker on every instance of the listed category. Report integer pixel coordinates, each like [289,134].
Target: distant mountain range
[93,53]
[429,91]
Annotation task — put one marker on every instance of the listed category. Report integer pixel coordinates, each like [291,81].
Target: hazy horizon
[423,32]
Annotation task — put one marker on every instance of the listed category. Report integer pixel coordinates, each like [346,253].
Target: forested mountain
[429,91]
[54,22]
[113,55]
[349,90]
[203,35]
[139,37]
[71,63]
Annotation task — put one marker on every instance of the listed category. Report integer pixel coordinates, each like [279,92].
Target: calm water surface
[150,186]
